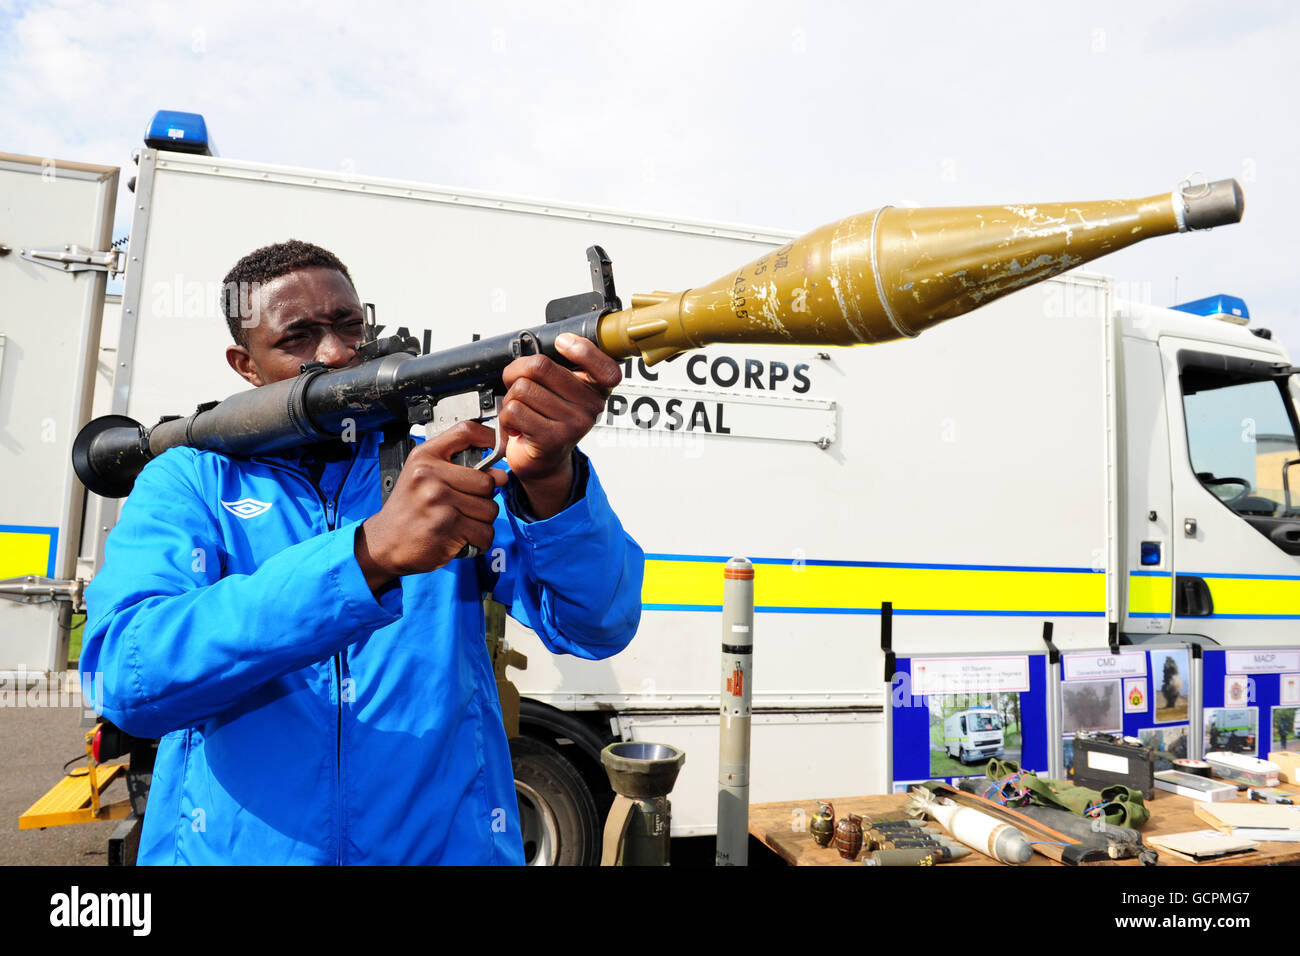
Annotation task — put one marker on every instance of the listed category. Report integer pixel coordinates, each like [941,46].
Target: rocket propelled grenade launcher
[887,274]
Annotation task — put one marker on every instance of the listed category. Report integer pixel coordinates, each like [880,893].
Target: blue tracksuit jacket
[302,720]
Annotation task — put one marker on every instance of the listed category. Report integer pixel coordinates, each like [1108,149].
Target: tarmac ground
[39,733]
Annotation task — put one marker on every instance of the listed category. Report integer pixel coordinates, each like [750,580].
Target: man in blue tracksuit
[314,664]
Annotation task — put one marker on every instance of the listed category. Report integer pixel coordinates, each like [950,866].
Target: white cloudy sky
[771,114]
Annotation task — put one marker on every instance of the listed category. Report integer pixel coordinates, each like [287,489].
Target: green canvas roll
[1120,806]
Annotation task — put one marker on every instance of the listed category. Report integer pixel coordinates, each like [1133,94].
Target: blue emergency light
[179,132]
[1150,552]
[1218,307]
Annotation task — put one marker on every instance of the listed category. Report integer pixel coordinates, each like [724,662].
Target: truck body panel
[47,369]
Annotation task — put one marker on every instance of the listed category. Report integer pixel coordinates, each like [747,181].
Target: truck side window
[963,725]
[1240,438]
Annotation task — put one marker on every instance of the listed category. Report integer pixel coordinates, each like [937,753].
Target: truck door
[55,254]
[1235,467]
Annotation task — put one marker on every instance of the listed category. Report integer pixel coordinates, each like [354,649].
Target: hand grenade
[848,836]
[823,823]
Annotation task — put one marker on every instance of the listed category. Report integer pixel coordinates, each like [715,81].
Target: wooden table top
[784,828]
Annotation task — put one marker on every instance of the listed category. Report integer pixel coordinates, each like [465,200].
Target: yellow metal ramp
[71,801]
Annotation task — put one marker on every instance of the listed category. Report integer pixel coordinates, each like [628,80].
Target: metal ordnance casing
[892,273]
[734,712]
[977,830]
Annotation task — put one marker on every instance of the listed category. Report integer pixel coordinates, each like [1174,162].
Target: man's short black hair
[263,265]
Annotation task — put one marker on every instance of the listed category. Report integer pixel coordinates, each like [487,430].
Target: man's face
[310,315]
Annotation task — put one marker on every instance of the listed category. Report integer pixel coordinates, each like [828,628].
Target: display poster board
[1251,700]
[1144,693]
[950,715]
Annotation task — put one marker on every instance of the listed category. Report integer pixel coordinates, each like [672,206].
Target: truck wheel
[556,810]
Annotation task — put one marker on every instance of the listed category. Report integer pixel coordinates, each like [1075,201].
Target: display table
[784,828]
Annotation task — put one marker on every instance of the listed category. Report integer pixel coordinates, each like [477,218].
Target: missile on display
[893,273]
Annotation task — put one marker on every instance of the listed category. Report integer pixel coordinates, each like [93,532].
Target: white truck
[973,734]
[1121,470]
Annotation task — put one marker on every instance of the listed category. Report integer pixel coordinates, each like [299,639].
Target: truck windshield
[986,722]
[1241,440]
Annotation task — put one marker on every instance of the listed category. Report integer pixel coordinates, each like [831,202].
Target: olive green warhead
[892,273]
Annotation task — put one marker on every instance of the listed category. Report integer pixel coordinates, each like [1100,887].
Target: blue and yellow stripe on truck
[27,549]
[1150,594]
[1269,597]
[686,582]
[1273,597]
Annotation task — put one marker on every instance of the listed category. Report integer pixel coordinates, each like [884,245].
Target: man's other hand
[435,509]
[547,410]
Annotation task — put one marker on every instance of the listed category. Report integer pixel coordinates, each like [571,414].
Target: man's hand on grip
[547,410]
[435,509]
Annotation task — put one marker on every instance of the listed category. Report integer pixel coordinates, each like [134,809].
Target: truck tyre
[557,812]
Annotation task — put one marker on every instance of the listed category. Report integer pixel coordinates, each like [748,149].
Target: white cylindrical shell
[982,832]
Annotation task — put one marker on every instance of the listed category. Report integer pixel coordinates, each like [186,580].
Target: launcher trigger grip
[475,405]
[481,459]
[469,458]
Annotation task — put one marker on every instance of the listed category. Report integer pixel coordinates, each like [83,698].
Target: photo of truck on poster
[966,731]
[1232,729]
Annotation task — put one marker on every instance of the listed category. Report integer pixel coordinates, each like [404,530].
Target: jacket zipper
[338,751]
[331,512]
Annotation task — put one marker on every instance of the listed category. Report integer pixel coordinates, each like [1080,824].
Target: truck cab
[1213,515]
